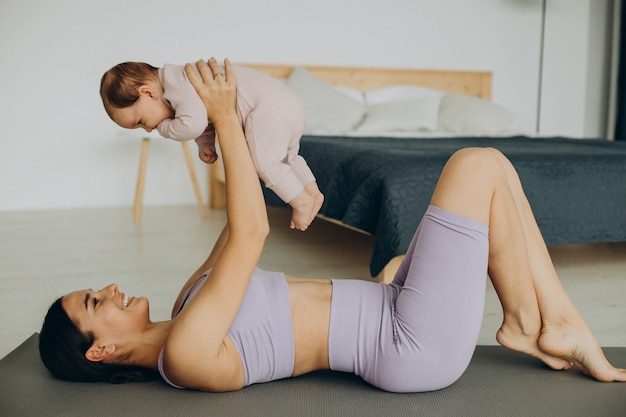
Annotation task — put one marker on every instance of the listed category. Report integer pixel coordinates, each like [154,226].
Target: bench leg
[141,179]
[194,179]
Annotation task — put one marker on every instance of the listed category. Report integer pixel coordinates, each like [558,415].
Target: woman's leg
[474,184]
[564,332]
[539,318]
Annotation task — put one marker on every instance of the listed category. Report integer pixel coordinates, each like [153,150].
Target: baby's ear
[146,90]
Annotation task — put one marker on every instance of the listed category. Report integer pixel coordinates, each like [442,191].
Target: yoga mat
[498,382]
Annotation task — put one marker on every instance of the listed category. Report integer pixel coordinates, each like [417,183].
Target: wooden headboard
[474,83]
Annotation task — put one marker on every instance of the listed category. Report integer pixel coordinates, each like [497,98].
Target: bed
[380,184]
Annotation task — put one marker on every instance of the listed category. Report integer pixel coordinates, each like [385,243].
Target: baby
[138,95]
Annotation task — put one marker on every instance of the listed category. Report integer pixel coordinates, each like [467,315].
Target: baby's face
[146,113]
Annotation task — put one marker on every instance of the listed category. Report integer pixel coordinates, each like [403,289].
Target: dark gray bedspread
[576,187]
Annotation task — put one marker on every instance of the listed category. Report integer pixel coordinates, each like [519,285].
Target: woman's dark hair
[119,85]
[62,347]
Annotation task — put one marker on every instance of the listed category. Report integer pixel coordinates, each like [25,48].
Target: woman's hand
[217,89]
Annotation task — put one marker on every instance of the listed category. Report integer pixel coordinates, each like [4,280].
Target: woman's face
[110,315]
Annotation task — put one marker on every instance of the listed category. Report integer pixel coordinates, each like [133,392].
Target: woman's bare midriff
[310,314]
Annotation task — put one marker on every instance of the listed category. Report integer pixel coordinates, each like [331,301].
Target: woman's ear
[99,353]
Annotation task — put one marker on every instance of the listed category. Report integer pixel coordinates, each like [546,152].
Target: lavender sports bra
[262,330]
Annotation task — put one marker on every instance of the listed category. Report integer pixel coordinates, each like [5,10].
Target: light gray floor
[44,254]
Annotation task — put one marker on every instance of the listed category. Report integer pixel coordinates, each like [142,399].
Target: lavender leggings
[419,332]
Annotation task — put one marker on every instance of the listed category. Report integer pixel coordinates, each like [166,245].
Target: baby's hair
[119,85]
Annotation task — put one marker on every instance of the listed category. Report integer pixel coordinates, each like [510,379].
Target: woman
[234,325]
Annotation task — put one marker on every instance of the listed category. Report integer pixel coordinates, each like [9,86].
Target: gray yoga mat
[498,382]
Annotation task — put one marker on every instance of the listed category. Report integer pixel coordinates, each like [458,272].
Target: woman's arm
[196,353]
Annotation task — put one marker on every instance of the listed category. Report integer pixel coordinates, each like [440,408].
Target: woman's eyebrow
[86,301]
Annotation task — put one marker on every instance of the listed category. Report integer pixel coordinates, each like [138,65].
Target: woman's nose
[110,290]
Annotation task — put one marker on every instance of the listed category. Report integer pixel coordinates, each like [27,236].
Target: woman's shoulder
[189,368]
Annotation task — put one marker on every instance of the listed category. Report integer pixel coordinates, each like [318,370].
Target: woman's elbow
[251,239]
[255,231]
[264,230]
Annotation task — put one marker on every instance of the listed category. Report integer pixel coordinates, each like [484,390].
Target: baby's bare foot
[513,338]
[578,345]
[318,198]
[301,207]
[305,207]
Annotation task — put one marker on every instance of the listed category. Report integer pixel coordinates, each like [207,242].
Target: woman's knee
[480,166]
[468,182]
[476,159]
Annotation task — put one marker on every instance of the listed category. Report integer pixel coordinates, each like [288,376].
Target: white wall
[59,149]
[576,64]
[597,94]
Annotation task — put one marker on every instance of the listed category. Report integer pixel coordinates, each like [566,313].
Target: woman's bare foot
[305,206]
[514,338]
[578,345]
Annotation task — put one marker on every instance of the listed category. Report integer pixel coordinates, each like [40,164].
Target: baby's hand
[207,155]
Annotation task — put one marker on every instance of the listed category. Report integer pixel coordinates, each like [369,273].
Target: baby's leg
[309,202]
[305,200]
[274,146]
[303,214]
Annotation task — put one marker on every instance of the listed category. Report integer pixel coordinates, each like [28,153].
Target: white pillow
[355,95]
[327,108]
[473,116]
[402,116]
[400,93]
